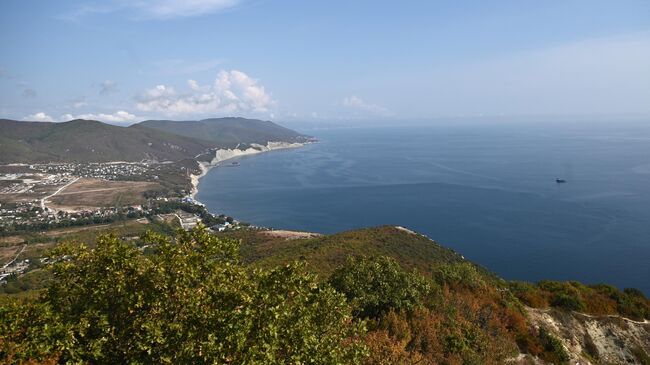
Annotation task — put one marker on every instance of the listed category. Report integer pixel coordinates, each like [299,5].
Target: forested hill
[90,141]
[93,141]
[381,296]
[229,132]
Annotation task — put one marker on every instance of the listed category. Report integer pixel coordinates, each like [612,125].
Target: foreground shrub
[190,302]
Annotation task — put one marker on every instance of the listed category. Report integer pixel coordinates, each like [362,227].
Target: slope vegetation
[382,296]
[228,132]
[326,253]
[464,313]
[91,141]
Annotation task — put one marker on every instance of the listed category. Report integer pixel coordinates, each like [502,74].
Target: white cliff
[222,155]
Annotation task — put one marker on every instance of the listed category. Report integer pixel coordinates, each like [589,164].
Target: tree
[377,285]
[190,302]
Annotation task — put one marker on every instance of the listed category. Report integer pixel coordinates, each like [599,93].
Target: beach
[222,155]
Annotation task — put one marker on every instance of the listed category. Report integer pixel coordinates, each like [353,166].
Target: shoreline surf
[221,155]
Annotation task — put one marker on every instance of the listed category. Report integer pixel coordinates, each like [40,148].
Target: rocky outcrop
[595,339]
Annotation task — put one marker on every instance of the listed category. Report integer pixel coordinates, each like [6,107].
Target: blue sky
[123,61]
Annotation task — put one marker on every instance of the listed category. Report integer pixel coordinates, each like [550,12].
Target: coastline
[222,155]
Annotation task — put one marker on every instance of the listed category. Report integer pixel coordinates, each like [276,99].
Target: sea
[487,191]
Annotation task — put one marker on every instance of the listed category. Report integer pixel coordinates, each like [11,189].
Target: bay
[488,192]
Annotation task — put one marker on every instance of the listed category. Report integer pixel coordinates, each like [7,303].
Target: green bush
[567,295]
[553,349]
[462,274]
[379,284]
[566,301]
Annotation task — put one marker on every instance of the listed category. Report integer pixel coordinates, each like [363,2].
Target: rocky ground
[596,340]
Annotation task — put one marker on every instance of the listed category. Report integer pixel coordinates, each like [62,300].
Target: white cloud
[107,87]
[119,116]
[39,117]
[156,9]
[164,9]
[193,85]
[354,102]
[232,92]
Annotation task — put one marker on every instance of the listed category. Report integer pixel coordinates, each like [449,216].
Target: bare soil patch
[290,235]
[11,240]
[94,193]
[8,253]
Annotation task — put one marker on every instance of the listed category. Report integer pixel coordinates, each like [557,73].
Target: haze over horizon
[127,61]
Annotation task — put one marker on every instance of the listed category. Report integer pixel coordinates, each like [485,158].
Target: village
[106,171]
[35,197]
[40,200]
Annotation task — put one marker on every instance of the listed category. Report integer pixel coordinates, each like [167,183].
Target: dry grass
[11,240]
[8,253]
[291,235]
[92,193]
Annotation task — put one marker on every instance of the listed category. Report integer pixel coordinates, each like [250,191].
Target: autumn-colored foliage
[189,299]
[598,299]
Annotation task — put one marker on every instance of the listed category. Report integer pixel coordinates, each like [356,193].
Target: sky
[122,61]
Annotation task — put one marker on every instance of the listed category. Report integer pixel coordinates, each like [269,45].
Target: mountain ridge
[82,140]
[230,131]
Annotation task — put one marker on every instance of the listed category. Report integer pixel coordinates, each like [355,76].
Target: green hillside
[229,132]
[91,141]
[382,295]
[326,253]
[323,255]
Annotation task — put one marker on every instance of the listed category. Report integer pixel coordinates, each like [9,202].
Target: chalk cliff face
[596,339]
[223,154]
[226,154]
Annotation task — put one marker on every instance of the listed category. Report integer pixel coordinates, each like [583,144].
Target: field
[8,253]
[37,243]
[92,193]
[87,234]
[34,246]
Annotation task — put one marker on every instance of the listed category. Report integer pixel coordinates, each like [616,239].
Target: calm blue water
[487,192]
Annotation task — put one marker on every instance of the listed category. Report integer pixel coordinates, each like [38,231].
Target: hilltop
[324,254]
[229,132]
[548,322]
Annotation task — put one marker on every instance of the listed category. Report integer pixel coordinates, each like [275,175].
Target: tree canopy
[189,302]
[377,285]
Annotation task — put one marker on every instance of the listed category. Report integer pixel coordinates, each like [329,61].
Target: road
[15,258]
[56,192]
[134,185]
